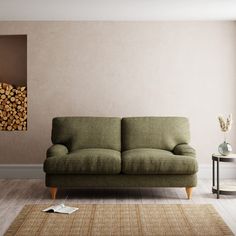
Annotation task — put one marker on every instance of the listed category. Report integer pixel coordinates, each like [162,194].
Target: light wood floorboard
[14,194]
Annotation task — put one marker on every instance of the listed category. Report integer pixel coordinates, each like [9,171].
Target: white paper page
[54,208]
[61,209]
[67,210]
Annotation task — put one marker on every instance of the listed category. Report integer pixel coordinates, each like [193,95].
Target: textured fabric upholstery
[154,132]
[87,153]
[87,132]
[156,161]
[184,149]
[57,150]
[85,161]
[120,181]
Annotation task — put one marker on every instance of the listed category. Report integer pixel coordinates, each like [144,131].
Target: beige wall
[125,69]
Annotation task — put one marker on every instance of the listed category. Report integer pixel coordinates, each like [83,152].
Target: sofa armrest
[185,150]
[57,150]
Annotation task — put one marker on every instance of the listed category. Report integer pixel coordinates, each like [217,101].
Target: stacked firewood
[13,107]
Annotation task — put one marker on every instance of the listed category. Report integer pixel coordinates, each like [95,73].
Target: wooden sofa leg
[53,191]
[189,191]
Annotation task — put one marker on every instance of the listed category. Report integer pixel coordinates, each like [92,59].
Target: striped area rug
[121,219]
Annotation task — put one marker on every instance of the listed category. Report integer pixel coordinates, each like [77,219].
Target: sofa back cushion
[87,132]
[154,132]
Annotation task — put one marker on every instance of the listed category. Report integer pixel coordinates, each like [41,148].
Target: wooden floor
[14,194]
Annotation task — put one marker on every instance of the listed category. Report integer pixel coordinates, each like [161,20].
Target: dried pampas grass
[225,125]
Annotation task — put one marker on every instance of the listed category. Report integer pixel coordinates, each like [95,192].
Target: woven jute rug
[121,220]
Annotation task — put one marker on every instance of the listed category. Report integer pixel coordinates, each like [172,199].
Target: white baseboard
[35,171]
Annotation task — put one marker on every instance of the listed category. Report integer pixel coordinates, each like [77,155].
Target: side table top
[230,157]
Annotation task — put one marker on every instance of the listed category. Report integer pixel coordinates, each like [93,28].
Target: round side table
[217,188]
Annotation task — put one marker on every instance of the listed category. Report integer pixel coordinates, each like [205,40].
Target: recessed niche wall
[13,82]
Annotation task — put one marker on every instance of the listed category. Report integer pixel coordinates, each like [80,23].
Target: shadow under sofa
[114,152]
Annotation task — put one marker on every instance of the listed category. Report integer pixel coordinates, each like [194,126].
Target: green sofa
[115,152]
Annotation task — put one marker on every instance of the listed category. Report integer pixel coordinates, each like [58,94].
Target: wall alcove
[13,82]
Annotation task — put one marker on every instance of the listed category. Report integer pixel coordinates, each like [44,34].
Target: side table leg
[218,180]
[213,174]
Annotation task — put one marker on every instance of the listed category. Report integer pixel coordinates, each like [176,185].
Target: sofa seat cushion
[156,161]
[85,161]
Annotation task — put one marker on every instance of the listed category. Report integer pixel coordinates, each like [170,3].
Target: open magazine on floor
[61,208]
